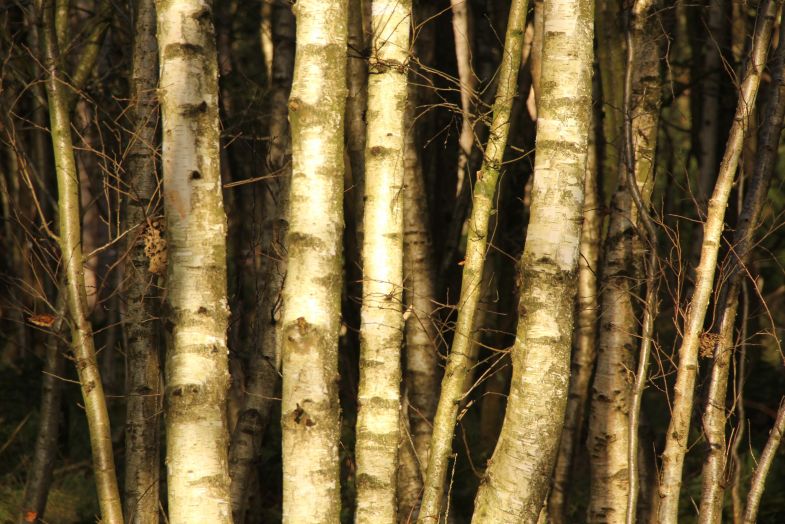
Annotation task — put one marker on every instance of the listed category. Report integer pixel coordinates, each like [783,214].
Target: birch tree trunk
[467,80]
[609,433]
[585,352]
[381,330]
[69,211]
[676,438]
[421,333]
[312,291]
[197,373]
[758,481]
[143,404]
[459,362]
[517,479]
[714,416]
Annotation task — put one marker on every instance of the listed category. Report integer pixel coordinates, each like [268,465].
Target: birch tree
[609,432]
[518,474]
[197,372]
[676,439]
[459,362]
[381,331]
[70,241]
[584,353]
[310,322]
[756,190]
[39,478]
[421,333]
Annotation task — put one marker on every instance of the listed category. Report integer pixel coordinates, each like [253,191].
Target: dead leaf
[42,320]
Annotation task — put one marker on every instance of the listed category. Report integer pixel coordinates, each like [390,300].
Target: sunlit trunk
[197,371]
[519,472]
[311,321]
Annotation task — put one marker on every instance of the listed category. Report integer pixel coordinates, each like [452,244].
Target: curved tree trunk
[70,242]
[197,371]
[758,481]
[676,438]
[459,362]
[312,291]
[517,479]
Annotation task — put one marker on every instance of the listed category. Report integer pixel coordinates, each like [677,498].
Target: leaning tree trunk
[143,404]
[518,475]
[609,432]
[676,438]
[197,372]
[459,362]
[312,292]
[381,329]
[70,242]
[714,416]
[761,472]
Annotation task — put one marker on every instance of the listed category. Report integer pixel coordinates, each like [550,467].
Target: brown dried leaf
[42,320]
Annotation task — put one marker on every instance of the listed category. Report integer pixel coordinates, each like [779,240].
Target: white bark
[518,474]
[381,330]
[197,374]
[311,317]
[460,361]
